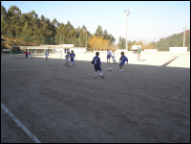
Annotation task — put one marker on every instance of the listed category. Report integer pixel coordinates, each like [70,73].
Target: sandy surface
[148,102]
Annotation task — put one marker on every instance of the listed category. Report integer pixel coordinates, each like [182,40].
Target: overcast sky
[148,21]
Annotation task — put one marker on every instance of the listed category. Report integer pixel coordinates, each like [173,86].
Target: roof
[46,47]
[59,46]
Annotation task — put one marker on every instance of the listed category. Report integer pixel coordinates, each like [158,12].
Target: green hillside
[176,40]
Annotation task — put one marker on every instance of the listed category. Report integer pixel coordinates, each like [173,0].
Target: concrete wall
[150,50]
[121,50]
[178,49]
[78,49]
[75,49]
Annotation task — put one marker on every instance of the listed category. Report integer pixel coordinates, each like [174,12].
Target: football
[110,69]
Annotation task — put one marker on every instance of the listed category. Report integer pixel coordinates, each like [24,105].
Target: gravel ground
[148,102]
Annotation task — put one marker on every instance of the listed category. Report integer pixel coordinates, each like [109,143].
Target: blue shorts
[108,56]
[121,64]
[72,59]
[97,67]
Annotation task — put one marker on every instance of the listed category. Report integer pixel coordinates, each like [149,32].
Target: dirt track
[59,104]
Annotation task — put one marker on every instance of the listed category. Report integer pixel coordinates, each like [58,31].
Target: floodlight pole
[127,13]
[184,37]
[10,52]
[86,41]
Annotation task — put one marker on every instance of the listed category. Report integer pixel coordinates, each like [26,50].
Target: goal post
[10,52]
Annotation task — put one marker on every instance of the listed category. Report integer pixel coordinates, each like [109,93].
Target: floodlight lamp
[129,11]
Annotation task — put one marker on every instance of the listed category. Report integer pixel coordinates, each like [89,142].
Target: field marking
[5,70]
[13,117]
[62,66]
[28,68]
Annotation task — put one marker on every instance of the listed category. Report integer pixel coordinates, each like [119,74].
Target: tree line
[175,40]
[30,28]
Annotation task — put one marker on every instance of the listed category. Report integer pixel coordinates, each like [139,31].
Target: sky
[148,20]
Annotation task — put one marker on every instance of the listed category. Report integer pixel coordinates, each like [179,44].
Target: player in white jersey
[113,57]
[67,59]
[60,54]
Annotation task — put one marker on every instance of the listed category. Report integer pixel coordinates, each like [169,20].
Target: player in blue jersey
[123,58]
[97,65]
[108,55]
[72,55]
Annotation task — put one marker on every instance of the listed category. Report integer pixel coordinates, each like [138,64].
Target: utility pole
[184,37]
[170,42]
[127,13]
[86,41]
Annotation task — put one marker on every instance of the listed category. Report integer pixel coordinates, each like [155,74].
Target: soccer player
[139,54]
[67,59]
[72,55]
[123,58]
[108,55]
[97,65]
[46,54]
[29,54]
[26,53]
[60,54]
[113,57]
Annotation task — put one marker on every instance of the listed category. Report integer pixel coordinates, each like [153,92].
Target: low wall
[150,50]
[178,49]
[78,49]
[121,50]
[168,53]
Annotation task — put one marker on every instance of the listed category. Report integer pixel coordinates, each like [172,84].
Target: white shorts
[67,60]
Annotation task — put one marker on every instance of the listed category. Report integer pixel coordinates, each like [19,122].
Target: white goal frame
[10,50]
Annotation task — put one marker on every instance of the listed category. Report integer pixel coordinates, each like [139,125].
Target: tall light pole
[184,37]
[127,13]
[86,42]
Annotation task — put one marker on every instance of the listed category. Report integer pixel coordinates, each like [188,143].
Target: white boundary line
[29,68]
[5,70]
[13,117]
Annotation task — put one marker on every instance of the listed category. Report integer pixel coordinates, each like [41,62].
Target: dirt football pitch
[145,103]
